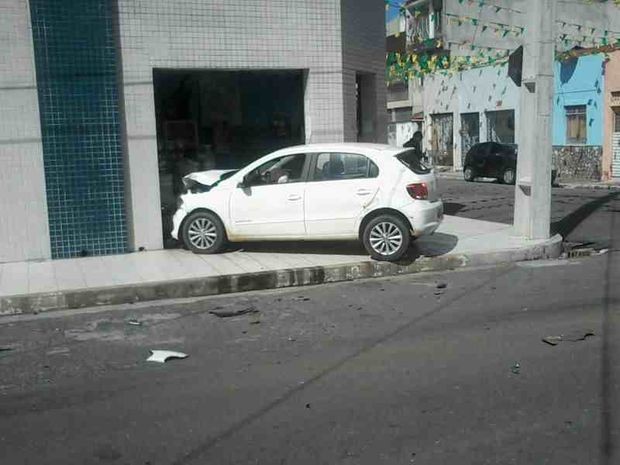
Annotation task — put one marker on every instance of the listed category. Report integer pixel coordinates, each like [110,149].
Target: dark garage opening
[221,120]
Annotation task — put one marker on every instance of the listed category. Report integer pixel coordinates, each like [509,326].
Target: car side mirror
[245,182]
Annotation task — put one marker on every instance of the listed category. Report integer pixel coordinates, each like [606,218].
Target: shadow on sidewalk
[428,246]
[570,222]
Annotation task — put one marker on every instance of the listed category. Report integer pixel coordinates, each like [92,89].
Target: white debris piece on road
[162,356]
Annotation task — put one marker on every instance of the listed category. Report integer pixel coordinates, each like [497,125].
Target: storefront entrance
[220,120]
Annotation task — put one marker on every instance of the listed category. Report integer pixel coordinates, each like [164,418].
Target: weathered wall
[574,21]
[24,233]
[577,162]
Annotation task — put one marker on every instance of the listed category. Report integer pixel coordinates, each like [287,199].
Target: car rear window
[412,159]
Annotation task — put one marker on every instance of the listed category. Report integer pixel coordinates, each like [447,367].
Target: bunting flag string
[494,6]
[499,28]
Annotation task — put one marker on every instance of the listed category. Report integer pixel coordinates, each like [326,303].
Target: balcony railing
[424,25]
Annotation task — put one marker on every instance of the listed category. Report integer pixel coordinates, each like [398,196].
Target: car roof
[355,147]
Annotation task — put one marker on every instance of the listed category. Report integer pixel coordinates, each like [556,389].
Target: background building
[106,104]
[477,101]
[611,108]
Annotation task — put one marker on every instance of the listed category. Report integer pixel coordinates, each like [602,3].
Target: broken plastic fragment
[552,340]
[162,356]
[516,368]
[231,313]
[134,322]
[573,336]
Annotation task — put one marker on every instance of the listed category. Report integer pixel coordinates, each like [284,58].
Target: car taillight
[418,190]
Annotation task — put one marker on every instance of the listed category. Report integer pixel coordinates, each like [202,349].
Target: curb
[201,287]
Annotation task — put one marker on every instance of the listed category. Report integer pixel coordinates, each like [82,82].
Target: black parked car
[493,160]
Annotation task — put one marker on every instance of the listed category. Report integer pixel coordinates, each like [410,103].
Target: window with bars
[576,124]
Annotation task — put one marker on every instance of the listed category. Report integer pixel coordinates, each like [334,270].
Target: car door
[495,160]
[340,186]
[270,204]
[479,154]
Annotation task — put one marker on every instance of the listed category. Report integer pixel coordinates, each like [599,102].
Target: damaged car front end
[196,183]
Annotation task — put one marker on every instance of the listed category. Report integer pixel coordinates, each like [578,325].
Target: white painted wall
[24,233]
[473,91]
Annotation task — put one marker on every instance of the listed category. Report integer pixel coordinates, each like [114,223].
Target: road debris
[441,285]
[5,349]
[256,322]
[573,336]
[162,356]
[221,313]
[552,340]
[134,322]
[516,368]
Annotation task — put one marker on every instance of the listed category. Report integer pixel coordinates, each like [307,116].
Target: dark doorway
[221,120]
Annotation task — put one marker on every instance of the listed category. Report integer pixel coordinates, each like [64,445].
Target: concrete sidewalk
[27,287]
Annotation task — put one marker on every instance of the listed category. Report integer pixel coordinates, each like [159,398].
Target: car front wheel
[386,238]
[204,233]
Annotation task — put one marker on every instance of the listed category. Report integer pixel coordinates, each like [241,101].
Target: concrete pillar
[532,213]
[458,154]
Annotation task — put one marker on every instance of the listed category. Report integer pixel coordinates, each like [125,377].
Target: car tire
[509,175]
[204,233]
[468,174]
[386,238]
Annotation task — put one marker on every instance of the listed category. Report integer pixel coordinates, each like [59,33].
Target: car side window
[282,170]
[342,166]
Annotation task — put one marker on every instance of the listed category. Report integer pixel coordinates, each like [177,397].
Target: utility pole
[532,214]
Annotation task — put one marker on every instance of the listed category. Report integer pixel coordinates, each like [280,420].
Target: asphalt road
[579,215]
[386,371]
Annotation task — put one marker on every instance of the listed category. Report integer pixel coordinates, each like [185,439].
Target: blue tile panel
[76,63]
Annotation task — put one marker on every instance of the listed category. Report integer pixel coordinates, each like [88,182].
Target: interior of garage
[210,119]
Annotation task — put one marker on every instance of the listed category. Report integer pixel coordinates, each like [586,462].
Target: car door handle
[364,192]
[294,197]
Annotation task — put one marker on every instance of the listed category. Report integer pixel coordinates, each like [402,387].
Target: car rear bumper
[425,217]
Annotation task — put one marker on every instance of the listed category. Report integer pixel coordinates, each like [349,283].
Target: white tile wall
[23,208]
[363,40]
[331,39]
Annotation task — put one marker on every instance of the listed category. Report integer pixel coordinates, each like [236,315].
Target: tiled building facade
[79,141]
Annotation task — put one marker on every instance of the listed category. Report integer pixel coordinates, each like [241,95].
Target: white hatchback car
[381,195]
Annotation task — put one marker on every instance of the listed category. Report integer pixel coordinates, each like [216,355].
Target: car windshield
[412,159]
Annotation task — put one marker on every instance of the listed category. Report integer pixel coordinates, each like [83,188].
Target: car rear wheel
[509,176]
[204,233]
[468,174]
[386,238]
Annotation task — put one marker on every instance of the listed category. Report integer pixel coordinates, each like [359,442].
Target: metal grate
[76,62]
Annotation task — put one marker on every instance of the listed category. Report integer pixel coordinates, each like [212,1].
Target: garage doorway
[221,120]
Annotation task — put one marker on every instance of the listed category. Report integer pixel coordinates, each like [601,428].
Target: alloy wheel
[386,238]
[202,233]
